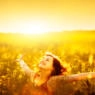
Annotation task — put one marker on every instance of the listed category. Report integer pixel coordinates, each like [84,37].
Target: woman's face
[46,63]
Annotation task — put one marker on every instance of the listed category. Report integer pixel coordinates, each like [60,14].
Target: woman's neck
[43,77]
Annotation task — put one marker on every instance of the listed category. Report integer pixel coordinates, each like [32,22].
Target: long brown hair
[58,69]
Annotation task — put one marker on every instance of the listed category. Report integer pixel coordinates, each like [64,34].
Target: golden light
[32,27]
[36,27]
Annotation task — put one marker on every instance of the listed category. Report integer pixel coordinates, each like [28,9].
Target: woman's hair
[58,69]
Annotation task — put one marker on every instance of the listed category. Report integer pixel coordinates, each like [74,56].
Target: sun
[34,27]
[38,26]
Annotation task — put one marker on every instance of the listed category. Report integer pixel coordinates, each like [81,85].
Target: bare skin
[45,68]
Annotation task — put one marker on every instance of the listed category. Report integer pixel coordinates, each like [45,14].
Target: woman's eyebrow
[49,56]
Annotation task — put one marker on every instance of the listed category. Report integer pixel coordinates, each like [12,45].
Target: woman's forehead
[48,56]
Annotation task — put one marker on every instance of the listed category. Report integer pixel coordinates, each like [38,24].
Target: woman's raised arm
[28,71]
[26,68]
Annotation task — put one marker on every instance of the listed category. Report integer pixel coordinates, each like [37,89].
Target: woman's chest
[30,89]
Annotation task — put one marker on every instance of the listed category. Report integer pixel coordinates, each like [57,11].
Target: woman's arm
[29,72]
[26,68]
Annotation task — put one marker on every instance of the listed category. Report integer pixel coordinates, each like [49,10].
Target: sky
[46,15]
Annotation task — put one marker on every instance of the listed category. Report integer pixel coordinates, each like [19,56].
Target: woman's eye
[47,59]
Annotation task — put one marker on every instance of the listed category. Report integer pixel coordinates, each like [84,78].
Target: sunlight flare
[32,27]
[36,27]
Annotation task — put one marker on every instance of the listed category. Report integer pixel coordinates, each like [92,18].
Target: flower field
[75,49]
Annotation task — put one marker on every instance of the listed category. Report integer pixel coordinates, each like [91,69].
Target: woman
[49,66]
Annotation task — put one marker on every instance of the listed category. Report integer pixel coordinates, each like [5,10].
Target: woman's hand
[24,66]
